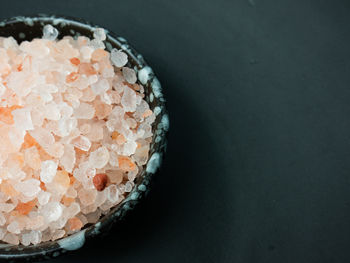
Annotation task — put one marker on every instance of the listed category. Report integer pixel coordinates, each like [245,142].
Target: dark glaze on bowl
[27,28]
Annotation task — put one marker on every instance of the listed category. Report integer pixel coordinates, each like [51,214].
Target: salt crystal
[49,32]
[52,112]
[13,228]
[128,187]
[55,150]
[72,210]
[129,99]
[11,239]
[28,187]
[112,193]
[66,126]
[82,143]
[129,148]
[99,33]
[84,111]
[59,233]
[26,239]
[48,171]
[42,136]
[99,158]
[129,75]
[51,211]
[2,219]
[87,197]
[2,89]
[118,58]
[22,119]
[6,207]
[43,197]
[68,158]
[32,158]
[100,86]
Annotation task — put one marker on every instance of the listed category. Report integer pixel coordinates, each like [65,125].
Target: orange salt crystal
[29,141]
[75,224]
[72,77]
[147,113]
[87,69]
[100,181]
[8,189]
[67,200]
[42,186]
[75,61]
[72,179]
[115,135]
[25,208]
[19,67]
[62,178]
[6,115]
[99,54]
[126,164]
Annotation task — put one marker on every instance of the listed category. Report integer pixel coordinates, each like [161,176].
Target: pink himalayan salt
[69,110]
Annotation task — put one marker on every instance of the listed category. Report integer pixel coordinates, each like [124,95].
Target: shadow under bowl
[27,28]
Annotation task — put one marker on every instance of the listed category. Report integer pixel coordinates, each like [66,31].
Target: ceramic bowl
[27,28]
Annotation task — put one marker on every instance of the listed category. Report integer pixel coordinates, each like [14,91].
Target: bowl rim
[146,77]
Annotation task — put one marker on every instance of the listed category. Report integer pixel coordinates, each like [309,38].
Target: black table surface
[258,92]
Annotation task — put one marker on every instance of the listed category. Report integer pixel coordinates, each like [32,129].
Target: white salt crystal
[32,158]
[51,211]
[71,192]
[129,75]
[68,158]
[72,210]
[2,89]
[2,233]
[56,150]
[2,219]
[35,237]
[84,111]
[11,239]
[118,58]
[43,197]
[30,187]
[82,143]
[129,100]
[26,238]
[129,148]
[128,187]
[42,136]
[100,86]
[22,119]
[49,32]
[66,126]
[112,193]
[99,158]
[48,171]
[14,228]
[5,207]
[52,111]
[99,33]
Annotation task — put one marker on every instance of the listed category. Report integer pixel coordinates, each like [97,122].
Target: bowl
[29,27]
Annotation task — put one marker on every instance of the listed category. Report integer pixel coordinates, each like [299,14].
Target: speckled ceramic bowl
[27,28]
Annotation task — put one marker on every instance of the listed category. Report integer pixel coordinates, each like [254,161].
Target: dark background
[257,168]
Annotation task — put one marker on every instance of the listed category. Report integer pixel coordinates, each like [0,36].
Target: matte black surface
[257,168]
